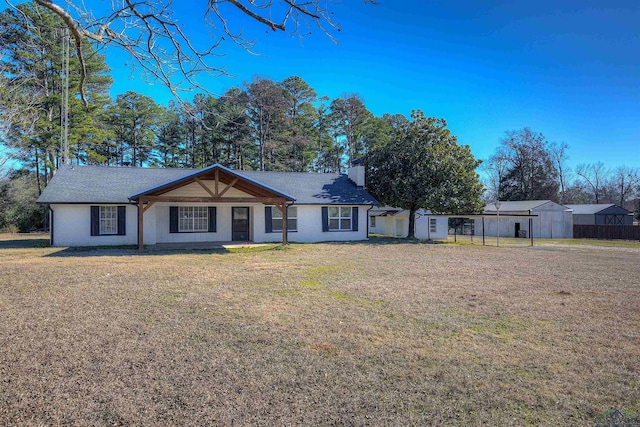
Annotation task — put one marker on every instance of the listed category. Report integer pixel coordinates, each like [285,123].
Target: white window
[340,218]
[372,221]
[193,219]
[108,220]
[292,219]
[433,225]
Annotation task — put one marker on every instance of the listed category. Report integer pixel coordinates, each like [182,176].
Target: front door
[240,224]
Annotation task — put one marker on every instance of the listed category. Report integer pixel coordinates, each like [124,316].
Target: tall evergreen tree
[267,111]
[31,45]
[530,173]
[299,98]
[349,116]
[134,118]
[239,151]
[169,145]
[328,152]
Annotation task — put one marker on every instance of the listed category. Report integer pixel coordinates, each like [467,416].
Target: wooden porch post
[140,225]
[282,207]
[142,208]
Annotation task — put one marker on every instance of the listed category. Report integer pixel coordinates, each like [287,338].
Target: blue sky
[568,69]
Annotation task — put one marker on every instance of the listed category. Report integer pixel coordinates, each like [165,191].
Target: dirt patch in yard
[350,334]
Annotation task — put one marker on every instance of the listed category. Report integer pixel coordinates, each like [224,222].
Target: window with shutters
[292,219]
[108,220]
[193,219]
[339,218]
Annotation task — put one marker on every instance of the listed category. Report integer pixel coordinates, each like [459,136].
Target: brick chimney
[356,173]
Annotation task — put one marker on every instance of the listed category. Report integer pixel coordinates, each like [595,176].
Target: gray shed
[601,214]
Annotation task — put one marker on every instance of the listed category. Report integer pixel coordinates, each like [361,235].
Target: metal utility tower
[64,108]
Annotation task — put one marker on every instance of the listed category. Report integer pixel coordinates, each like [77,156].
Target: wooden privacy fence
[622,232]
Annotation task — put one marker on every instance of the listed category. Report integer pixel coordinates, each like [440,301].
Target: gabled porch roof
[224,179]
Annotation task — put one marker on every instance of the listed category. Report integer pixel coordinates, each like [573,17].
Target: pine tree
[31,43]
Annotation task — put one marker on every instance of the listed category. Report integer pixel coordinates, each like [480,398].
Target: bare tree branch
[158,46]
[77,36]
[594,175]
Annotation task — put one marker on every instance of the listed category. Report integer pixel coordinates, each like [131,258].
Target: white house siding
[398,225]
[150,235]
[385,225]
[72,227]
[310,227]
[223,223]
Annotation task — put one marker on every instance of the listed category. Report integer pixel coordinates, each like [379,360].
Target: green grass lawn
[377,333]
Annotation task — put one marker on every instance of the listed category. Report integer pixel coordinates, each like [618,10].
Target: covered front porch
[210,206]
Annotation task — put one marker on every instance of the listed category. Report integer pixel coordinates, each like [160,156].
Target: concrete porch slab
[204,245]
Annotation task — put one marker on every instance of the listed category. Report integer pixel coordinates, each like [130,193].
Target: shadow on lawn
[96,251]
[132,250]
[24,243]
[386,240]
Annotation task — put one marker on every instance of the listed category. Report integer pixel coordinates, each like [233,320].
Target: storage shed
[551,221]
[601,214]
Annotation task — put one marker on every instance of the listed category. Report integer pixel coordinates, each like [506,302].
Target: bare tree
[594,175]
[153,35]
[625,181]
[495,169]
[559,157]
[18,113]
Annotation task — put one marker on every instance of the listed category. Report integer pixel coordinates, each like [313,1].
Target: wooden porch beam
[147,206]
[231,184]
[207,189]
[176,199]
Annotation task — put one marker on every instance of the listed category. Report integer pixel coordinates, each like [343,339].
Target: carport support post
[482,231]
[531,230]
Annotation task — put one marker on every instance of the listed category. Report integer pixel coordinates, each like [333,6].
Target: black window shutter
[173,219]
[212,219]
[122,220]
[95,220]
[268,217]
[325,218]
[354,218]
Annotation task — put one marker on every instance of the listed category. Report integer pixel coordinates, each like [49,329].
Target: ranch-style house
[99,205]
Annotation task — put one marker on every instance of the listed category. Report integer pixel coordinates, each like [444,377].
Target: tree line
[526,166]
[261,125]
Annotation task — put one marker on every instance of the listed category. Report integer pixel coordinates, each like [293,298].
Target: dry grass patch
[355,334]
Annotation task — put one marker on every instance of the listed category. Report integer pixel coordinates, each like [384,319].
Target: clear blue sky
[567,68]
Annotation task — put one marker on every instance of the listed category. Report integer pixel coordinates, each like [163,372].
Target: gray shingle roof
[101,184]
[590,209]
